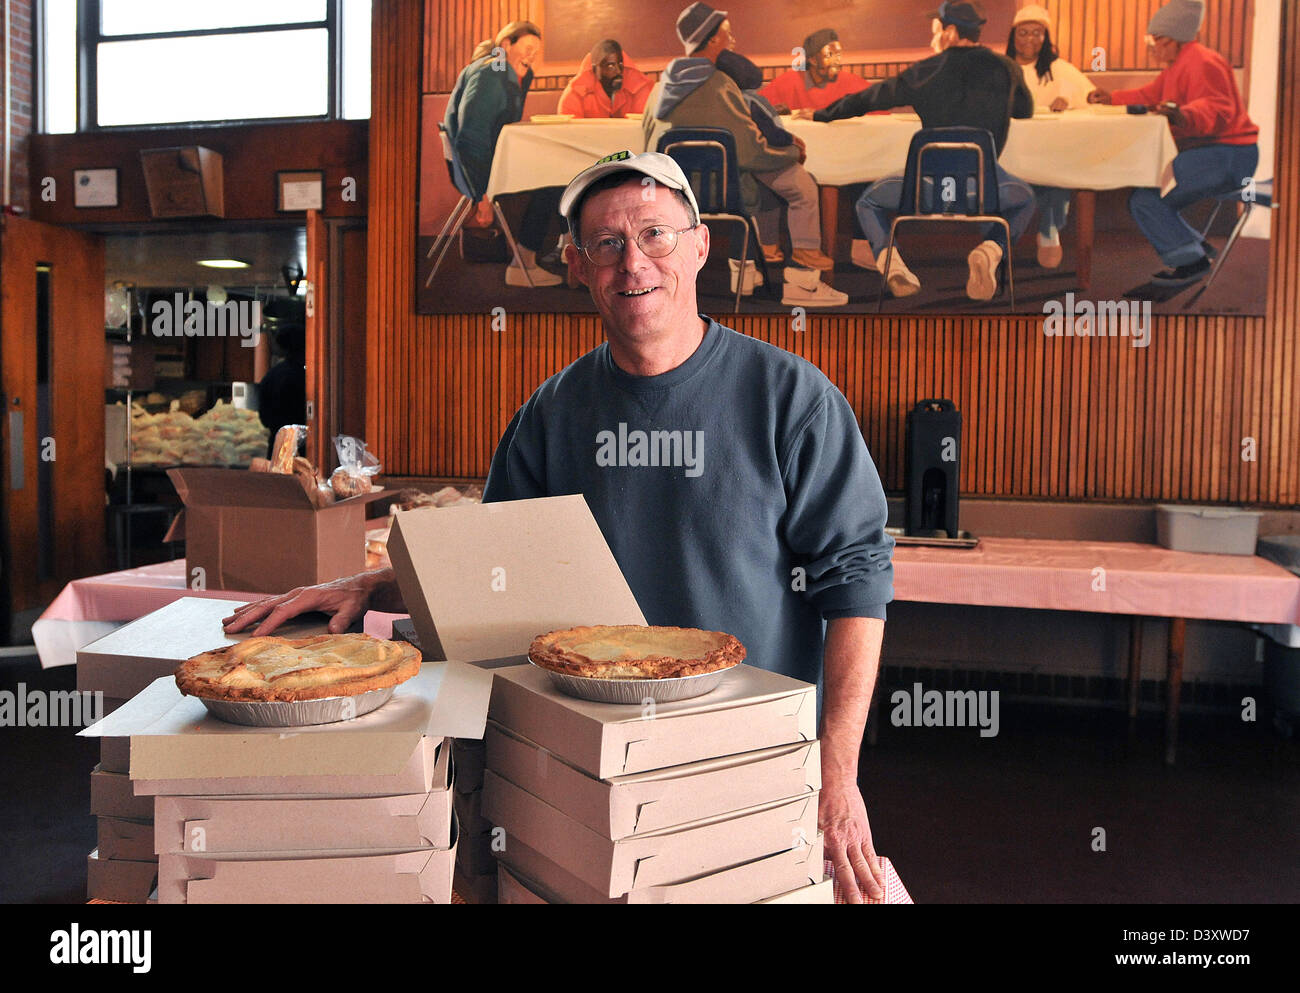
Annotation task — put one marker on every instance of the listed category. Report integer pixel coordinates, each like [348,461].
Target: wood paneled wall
[1044,418]
[1118,26]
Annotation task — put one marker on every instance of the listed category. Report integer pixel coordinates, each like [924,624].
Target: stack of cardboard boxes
[356,811]
[706,800]
[701,800]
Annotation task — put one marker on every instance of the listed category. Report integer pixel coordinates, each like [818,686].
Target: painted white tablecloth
[1091,149]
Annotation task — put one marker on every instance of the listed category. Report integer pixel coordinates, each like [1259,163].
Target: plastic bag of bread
[287,442]
[357,467]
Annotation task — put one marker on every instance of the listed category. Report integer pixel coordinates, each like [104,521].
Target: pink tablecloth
[1099,577]
[1093,577]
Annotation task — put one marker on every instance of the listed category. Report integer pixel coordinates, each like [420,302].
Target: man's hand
[346,599]
[1099,96]
[803,114]
[842,818]
[1060,104]
[1171,111]
[803,149]
[852,658]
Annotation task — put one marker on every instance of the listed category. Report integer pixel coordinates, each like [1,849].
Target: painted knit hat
[1178,19]
[696,23]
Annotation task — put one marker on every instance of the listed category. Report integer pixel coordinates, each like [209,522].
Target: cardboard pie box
[174,738]
[120,880]
[115,755]
[748,882]
[481,581]
[669,856]
[123,662]
[820,893]
[421,875]
[194,825]
[425,770]
[111,796]
[120,838]
[751,709]
[476,855]
[258,532]
[652,801]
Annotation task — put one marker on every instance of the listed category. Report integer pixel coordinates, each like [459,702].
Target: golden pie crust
[634,651]
[286,669]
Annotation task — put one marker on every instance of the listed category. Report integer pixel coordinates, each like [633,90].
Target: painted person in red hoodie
[1218,144]
[607,85]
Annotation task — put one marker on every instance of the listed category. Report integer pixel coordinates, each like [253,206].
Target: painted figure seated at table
[1218,143]
[1057,85]
[692,93]
[488,95]
[967,85]
[818,78]
[607,84]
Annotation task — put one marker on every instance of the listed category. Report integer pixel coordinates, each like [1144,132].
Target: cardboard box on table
[514,889]
[672,855]
[120,880]
[651,801]
[259,532]
[795,867]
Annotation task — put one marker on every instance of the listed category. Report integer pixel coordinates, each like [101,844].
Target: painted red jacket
[585,97]
[793,89]
[1200,81]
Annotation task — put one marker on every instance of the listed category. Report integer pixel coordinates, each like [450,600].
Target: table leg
[1174,686]
[1134,671]
[830,209]
[1085,219]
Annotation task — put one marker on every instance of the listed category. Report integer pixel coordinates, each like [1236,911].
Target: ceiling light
[224,263]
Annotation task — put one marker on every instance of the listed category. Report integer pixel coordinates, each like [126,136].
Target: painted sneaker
[540,277]
[982,283]
[753,278]
[804,288]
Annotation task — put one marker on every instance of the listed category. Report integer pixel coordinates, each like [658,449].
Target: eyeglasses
[655,242]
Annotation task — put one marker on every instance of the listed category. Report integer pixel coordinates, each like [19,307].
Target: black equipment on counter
[932,468]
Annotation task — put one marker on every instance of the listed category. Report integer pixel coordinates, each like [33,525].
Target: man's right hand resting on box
[346,599]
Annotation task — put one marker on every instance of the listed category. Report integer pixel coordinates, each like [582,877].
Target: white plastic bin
[1221,530]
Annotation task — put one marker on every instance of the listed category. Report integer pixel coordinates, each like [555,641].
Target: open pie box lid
[481,581]
[244,488]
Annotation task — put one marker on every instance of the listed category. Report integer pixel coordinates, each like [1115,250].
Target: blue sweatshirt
[735,491]
[487,96]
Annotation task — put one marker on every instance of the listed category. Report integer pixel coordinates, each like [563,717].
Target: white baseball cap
[659,167]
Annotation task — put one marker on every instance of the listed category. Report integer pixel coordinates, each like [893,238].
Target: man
[818,78]
[607,85]
[692,93]
[965,84]
[777,530]
[1218,144]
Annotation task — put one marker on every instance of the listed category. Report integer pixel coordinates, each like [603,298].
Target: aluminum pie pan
[297,713]
[636,691]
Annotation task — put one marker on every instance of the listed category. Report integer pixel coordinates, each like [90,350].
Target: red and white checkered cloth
[895,891]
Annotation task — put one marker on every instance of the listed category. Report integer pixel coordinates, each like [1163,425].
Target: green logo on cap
[616,157]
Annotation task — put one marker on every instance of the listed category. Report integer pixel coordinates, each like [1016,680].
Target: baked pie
[633,651]
[287,669]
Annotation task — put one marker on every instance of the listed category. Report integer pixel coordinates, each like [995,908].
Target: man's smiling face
[641,299]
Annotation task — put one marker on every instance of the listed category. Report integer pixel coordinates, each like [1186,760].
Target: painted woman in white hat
[1057,85]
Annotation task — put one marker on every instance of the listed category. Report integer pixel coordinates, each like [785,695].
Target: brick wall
[18,116]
